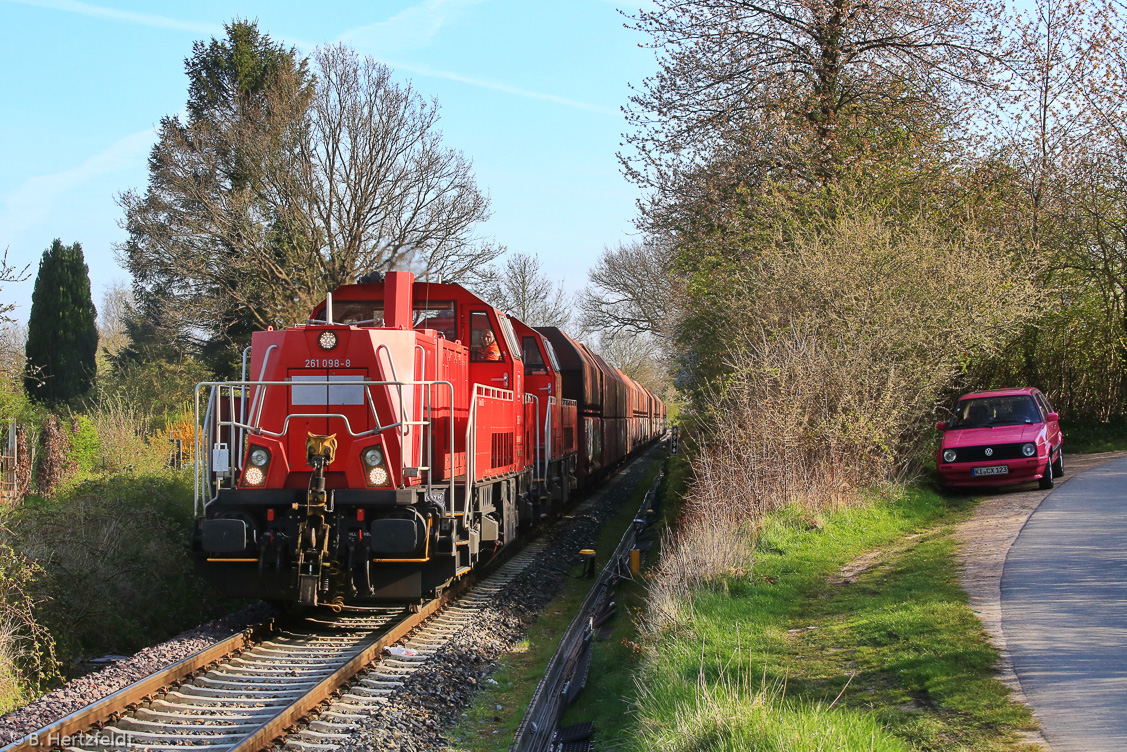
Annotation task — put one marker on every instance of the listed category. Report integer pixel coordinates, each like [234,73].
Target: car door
[1052,428]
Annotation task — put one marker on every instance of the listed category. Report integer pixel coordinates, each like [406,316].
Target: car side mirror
[1052,417]
[941,426]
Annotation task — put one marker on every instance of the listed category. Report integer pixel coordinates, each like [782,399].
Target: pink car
[1000,437]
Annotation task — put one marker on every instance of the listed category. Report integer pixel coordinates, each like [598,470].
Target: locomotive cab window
[552,355]
[437,316]
[357,312]
[484,347]
[533,360]
[510,335]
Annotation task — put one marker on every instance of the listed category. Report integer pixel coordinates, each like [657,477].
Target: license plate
[995,470]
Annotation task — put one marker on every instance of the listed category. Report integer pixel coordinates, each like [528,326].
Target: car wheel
[1058,466]
[1046,481]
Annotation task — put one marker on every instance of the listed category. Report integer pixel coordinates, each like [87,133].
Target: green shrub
[84,445]
[115,555]
[27,651]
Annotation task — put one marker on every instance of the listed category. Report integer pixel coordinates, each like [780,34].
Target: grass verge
[795,655]
[491,722]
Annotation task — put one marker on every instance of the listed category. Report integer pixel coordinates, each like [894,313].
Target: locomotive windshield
[358,313]
[431,315]
[437,316]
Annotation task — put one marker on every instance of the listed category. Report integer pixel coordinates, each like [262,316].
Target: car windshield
[1007,410]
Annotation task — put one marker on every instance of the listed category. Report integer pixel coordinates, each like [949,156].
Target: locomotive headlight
[949,455]
[327,340]
[1029,449]
[253,476]
[375,471]
[259,457]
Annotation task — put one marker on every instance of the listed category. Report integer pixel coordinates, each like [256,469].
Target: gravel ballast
[81,692]
[416,717]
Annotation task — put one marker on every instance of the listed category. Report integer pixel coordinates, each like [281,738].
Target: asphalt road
[1064,611]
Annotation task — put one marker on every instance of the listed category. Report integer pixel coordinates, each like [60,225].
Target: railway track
[256,690]
[304,685]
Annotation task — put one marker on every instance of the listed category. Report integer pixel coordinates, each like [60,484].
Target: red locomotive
[406,433]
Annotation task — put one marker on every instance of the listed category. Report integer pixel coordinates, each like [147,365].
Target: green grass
[1092,436]
[789,657]
[492,721]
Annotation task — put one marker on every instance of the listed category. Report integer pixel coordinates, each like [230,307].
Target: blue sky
[530,90]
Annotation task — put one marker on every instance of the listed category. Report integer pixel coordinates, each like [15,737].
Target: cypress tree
[62,333]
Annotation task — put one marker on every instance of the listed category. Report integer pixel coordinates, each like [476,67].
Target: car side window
[1043,401]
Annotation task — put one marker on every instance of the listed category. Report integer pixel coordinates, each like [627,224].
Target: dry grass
[125,441]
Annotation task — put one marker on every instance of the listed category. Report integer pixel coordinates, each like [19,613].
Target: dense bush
[27,650]
[84,445]
[114,552]
[841,335]
[128,442]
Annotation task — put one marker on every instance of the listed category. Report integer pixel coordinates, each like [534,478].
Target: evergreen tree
[62,334]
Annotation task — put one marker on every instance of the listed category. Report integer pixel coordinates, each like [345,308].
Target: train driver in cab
[486,349]
[489,349]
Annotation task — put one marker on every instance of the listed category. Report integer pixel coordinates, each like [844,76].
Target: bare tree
[13,359]
[639,356]
[8,274]
[749,90]
[375,184]
[522,289]
[117,303]
[631,288]
[332,179]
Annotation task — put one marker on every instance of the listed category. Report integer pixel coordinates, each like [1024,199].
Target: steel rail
[361,654]
[113,705]
[276,727]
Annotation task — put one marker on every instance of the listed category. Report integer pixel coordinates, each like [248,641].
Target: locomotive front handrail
[260,395]
[342,416]
[203,466]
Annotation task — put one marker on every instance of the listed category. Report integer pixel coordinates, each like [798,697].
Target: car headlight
[373,456]
[949,455]
[1029,449]
[259,457]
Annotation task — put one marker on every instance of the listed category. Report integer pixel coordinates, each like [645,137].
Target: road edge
[984,543]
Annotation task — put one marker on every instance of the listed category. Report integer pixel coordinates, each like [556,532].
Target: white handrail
[536,421]
[202,470]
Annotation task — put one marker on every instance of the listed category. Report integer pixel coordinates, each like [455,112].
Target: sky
[529,90]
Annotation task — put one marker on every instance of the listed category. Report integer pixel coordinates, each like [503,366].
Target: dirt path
[985,540]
